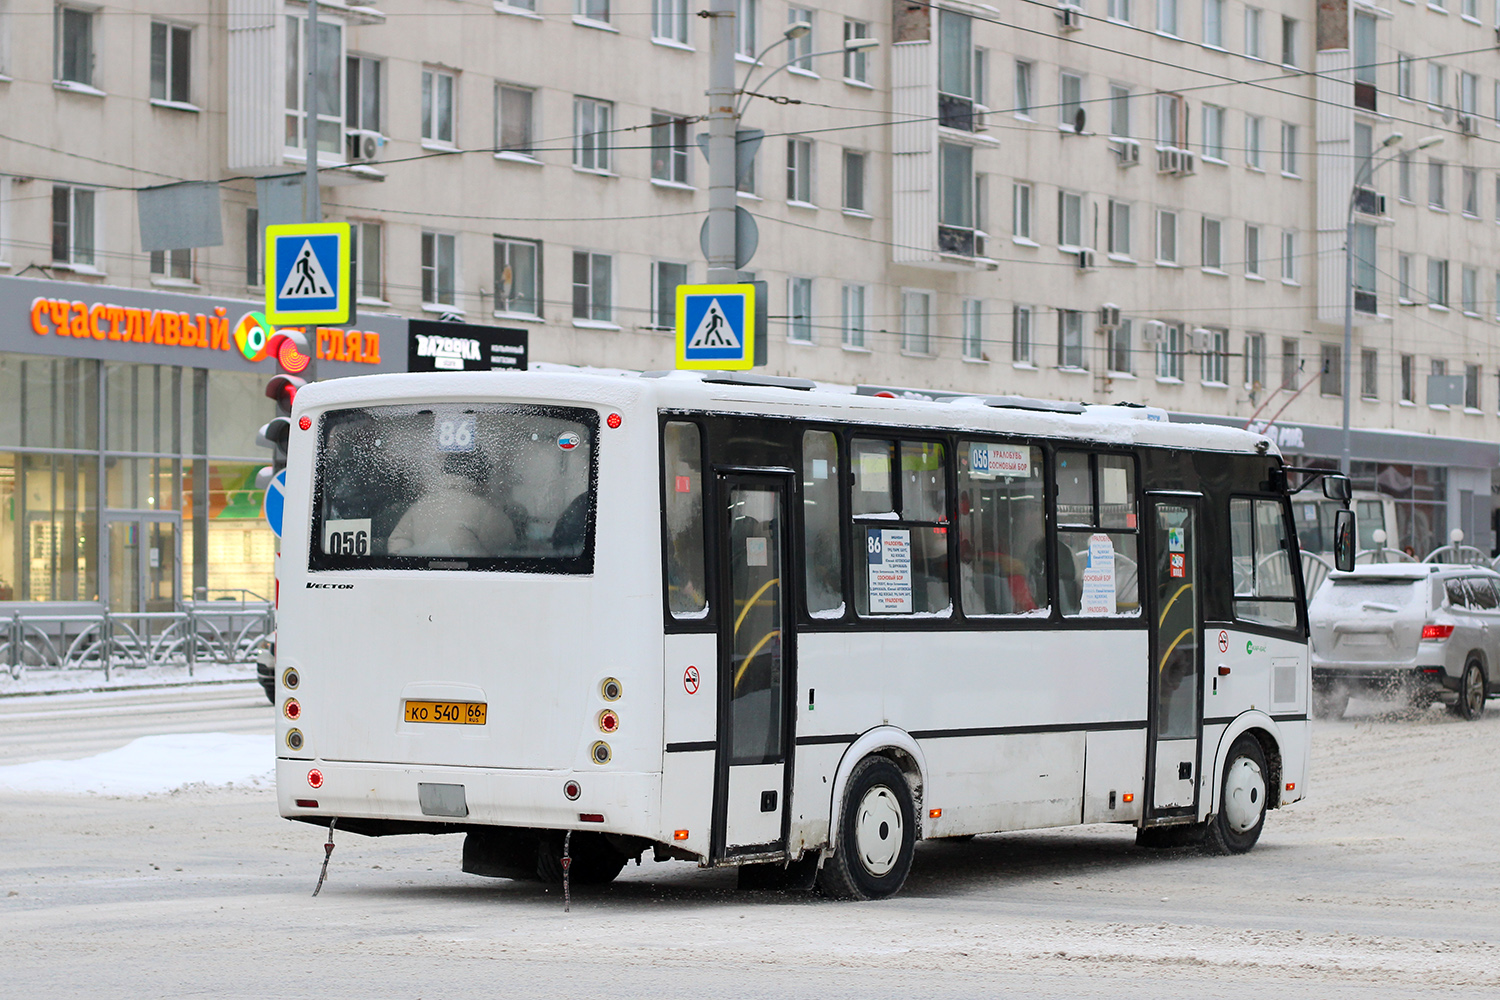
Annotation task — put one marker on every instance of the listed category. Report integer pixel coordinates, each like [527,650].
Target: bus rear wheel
[1242,800]
[877,834]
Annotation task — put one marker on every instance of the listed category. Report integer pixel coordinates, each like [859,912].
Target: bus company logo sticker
[1251,647]
[1177,565]
[690,680]
[329,586]
[568,440]
[1176,540]
[1223,642]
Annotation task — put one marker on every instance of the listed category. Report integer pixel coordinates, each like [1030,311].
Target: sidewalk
[36,681]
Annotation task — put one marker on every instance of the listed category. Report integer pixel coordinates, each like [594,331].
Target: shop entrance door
[142,567]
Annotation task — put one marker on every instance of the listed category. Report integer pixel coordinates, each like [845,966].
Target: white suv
[1430,630]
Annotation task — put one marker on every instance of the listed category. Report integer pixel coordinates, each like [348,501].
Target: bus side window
[1098,535]
[682,468]
[1002,533]
[822,553]
[1262,564]
[905,565]
[872,477]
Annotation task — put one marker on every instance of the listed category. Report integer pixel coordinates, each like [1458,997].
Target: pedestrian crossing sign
[308,274]
[716,327]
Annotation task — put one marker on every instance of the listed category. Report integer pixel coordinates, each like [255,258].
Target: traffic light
[275,433]
[293,353]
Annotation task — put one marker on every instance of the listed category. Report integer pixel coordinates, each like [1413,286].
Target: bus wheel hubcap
[877,831]
[1244,795]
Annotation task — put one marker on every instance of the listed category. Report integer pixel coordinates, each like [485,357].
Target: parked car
[1430,631]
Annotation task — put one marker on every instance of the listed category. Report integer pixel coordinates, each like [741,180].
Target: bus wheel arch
[886,741]
[1264,731]
[877,833]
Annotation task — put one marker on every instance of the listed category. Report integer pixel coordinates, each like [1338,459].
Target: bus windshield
[455,486]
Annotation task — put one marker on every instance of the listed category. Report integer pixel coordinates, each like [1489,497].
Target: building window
[1213,244]
[1468,290]
[1289,255]
[1468,94]
[1213,23]
[171,63]
[1021,211]
[956,185]
[973,329]
[1437,84]
[916,322]
[665,277]
[669,21]
[1119,111]
[1119,348]
[437,107]
[1255,361]
[1408,379]
[854,180]
[1469,9]
[518,277]
[1365,269]
[1330,371]
[1166,16]
[74,225]
[1405,76]
[1171,120]
[1471,192]
[366,247]
[1119,228]
[1166,237]
[799,50]
[1252,32]
[1291,363]
[253,246]
[439,269]
[1289,149]
[1214,357]
[1252,251]
[1437,282]
[75,46]
[592,10]
[853,315]
[669,148]
[1118,10]
[856,61]
[799,171]
[1069,97]
[1213,132]
[1288,42]
[1403,175]
[1020,335]
[1070,339]
[330,122]
[592,121]
[362,94]
[1369,378]
[1403,278]
[1025,91]
[174,264]
[593,286]
[1471,387]
[955,56]
[1254,127]
[744,28]
[1169,354]
[799,310]
[515,120]
[1069,220]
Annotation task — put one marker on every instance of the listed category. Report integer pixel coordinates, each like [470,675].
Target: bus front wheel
[877,834]
[1242,799]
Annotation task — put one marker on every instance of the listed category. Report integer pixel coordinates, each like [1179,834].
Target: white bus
[749,621]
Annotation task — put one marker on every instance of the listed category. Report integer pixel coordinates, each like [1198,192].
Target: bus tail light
[1436,631]
[307,803]
[315,778]
[571,790]
[614,420]
[292,709]
[609,721]
[591,817]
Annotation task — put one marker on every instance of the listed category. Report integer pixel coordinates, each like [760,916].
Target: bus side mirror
[1338,488]
[1343,539]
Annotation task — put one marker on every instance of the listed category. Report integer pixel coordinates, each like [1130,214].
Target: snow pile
[153,764]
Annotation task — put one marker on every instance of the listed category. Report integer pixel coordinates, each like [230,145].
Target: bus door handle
[1223,670]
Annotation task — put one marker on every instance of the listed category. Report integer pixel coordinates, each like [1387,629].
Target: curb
[130,687]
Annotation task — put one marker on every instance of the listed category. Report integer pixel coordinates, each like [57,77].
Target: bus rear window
[455,486]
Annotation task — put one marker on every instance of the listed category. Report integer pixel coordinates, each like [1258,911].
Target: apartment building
[1124,200]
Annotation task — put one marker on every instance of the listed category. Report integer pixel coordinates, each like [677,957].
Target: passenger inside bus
[455,517]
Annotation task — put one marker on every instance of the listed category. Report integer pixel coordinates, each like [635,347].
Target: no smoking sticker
[690,680]
[1223,642]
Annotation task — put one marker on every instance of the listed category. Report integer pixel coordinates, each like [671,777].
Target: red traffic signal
[283,389]
[291,350]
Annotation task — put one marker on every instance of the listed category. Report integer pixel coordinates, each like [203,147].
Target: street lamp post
[1366,173]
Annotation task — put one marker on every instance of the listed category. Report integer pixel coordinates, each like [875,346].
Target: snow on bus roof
[769,395]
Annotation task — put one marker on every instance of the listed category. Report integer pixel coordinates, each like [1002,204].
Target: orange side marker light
[1291,786]
[1128,796]
[679,835]
[934,813]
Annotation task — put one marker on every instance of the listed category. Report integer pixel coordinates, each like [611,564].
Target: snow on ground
[39,681]
[152,765]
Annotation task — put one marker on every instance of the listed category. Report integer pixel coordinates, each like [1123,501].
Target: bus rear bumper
[389,794]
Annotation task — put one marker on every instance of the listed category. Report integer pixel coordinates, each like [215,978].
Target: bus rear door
[1175,726]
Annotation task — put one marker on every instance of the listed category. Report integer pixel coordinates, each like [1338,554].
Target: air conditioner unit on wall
[1468,125]
[1168,160]
[363,144]
[1186,163]
[1202,340]
[1153,332]
[1109,316]
[1129,152]
[1069,17]
[1085,259]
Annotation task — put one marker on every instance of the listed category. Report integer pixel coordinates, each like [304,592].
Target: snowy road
[1385,883]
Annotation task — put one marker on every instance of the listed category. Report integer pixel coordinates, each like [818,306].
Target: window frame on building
[367,241]
[433,265]
[670,149]
[669,22]
[503,254]
[799,171]
[75,43]
[593,145]
[77,226]
[363,109]
[439,124]
[916,310]
[853,196]
[854,302]
[516,140]
[971,315]
[171,63]
[594,295]
[666,275]
[1022,330]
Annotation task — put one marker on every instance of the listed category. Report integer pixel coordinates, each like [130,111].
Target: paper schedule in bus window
[889,551]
